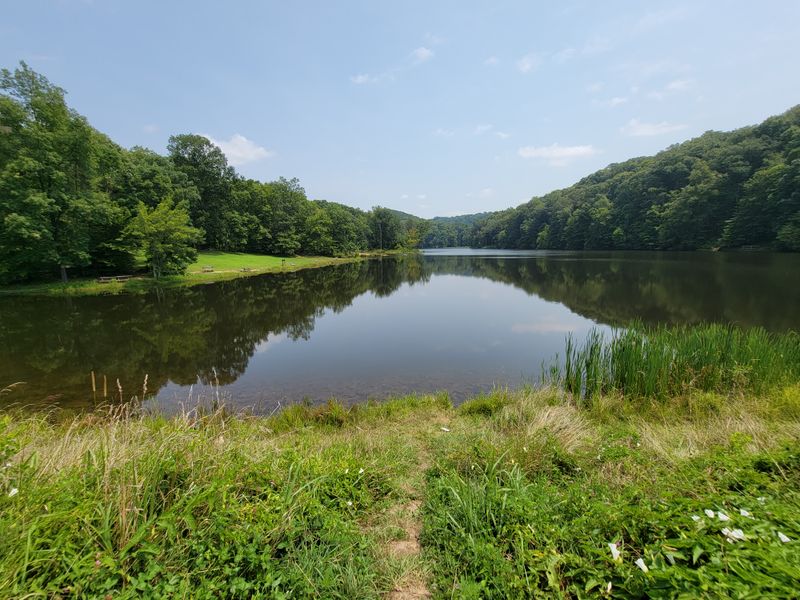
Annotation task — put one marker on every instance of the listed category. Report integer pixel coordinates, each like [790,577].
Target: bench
[123,277]
[105,279]
[208,269]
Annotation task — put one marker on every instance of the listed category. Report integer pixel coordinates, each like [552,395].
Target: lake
[455,319]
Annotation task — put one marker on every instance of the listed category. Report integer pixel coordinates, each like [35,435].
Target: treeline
[720,190]
[71,200]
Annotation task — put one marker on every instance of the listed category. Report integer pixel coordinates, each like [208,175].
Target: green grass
[665,362]
[514,494]
[226,266]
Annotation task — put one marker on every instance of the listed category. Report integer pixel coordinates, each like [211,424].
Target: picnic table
[208,269]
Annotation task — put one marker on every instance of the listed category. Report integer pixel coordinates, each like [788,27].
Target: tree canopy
[721,190]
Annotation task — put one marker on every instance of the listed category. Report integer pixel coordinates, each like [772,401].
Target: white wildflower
[695,518]
[709,513]
[13,492]
[733,535]
[761,499]
[349,503]
[722,516]
[784,538]
[641,565]
[744,513]
[346,471]
[445,429]
[361,471]
[608,588]
[615,553]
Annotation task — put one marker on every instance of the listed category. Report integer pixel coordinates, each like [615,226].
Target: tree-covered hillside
[72,201]
[721,190]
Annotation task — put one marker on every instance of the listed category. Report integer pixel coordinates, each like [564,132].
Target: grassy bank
[224,266]
[513,494]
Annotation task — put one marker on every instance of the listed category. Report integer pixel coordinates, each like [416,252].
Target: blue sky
[431,107]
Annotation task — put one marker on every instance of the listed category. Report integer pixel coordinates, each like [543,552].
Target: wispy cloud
[481,129]
[491,61]
[529,62]
[150,128]
[363,78]
[417,56]
[422,196]
[612,102]
[441,132]
[422,54]
[556,154]
[657,19]
[675,86]
[637,128]
[595,87]
[502,135]
[240,150]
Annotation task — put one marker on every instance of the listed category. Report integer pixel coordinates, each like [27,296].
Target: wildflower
[722,516]
[695,518]
[13,492]
[709,513]
[608,588]
[733,535]
[524,448]
[744,513]
[445,429]
[346,471]
[349,503]
[641,565]
[761,499]
[783,538]
[361,471]
[615,553]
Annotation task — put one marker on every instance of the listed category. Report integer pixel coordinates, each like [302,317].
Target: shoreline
[138,284]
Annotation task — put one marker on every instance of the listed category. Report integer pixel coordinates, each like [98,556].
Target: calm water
[457,320]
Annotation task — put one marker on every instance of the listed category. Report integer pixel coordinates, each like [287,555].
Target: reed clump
[664,362]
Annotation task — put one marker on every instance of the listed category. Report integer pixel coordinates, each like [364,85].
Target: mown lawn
[225,266]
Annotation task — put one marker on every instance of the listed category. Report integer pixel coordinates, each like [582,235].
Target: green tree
[165,236]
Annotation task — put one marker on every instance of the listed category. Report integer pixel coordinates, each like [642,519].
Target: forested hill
[72,201]
[721,190]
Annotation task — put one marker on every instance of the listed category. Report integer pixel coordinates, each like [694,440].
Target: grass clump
[665,362]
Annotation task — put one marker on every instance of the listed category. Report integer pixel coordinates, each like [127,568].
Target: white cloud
[528,63]
[434,40]
[240,150]
[422,196]
[422,54]
[556,155]
[678,85]
[486,192]
[150,128]
[637,128]
[363,78]
[404,197]
[491,61]
[612,102]
[660,18]
[441,132]
[564,55]
[595,87]
[481,129]
[502,135]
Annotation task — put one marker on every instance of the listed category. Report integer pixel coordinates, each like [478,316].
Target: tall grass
[665,362]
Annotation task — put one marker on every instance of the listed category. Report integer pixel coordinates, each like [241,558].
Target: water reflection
[441,320]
